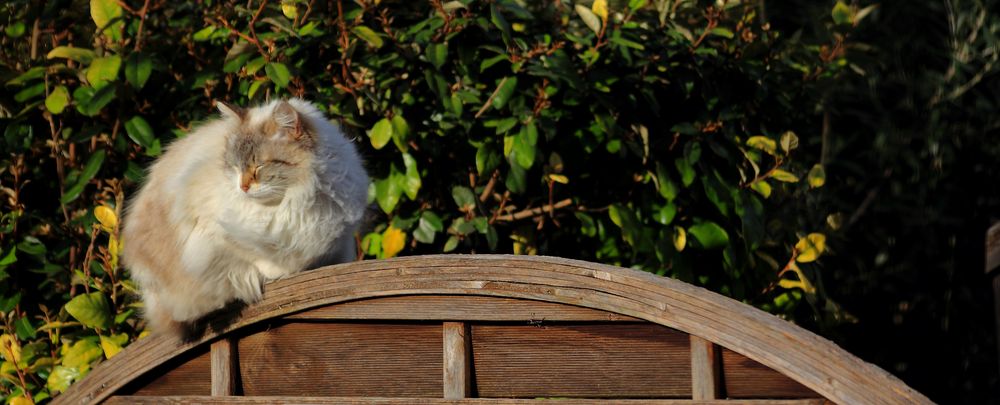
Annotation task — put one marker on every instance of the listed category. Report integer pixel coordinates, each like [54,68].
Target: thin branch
[489,187]
[489,101]
[535,211]
[142,21]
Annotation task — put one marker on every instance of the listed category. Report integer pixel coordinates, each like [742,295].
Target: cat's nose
[245,187]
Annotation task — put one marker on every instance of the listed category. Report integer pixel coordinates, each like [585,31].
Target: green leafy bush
[676,137]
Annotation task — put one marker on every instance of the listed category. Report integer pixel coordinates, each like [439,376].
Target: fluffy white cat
[253,196]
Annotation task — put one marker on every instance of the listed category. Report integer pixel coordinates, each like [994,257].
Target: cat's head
[269,150]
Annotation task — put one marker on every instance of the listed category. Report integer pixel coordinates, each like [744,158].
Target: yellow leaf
[802,282]
[816,176]
[106,216]
[517,27]
[784,175]
[114,248]
[763,143]
[810,247]
[558,178]
[110,346]
[680,238]
[600,7]
[393,240]
[10,348]
[289,9]
[22,401]
[762,187]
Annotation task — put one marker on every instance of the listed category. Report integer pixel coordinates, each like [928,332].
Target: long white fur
[230,244]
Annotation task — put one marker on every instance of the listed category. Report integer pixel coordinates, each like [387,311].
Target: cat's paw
[271,270]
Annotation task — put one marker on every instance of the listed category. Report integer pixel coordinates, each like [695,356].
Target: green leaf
[400,132]
[34,73]
[487,158]
[762,188]
[722,32]
[89,101]
[368,35]
[516,180]
[464,198]
[686,171]
[381,133]
[842,13]
[387,193]
[504,91]
[784,176]
[81,353]
[709,235]
[91,310]
[589,18]
[427,227]
[89,170]
[278,73]
[411,184]
[816,176]
[451,244]
[138,67]
[107,14]
[665,185]
[140,132]
[437,54]
[496,17]
[524,145]
[81,55]
[15,30]
[24,329]
[57,100]
[61,377]
[103,70]
[665,215]
[789,141]
[203,34]
[30,92]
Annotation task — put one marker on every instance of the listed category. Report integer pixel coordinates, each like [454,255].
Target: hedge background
[833,163]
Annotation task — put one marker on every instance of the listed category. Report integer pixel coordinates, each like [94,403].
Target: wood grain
[745,378]
[993,248]
[343,359]
[126,400]
[458,308]
[224,367]
[807,358]
[617,360]
[185,375]
[705,369]
[457,360]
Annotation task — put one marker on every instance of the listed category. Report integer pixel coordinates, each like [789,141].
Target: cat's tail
[160,321]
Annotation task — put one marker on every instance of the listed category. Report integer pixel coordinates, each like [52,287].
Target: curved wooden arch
[803,356]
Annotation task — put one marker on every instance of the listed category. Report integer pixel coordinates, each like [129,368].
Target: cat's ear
[289,119]
[229,110]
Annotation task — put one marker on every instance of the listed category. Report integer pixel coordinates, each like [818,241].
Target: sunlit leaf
[107,15]
[81,55]
[789,141]
[709,235]
[10,348]
[588,17]
[810,247]
[57,100]
[816,176]
[784,176]
[103,70]
[679,238]
[761,187]
[381,133]
[278,73]
[393,240]
[763,143]
[61,377]
[600,9]
[91,310]
[842,13]
[368,35]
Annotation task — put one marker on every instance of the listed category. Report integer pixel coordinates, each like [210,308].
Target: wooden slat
[126,400]
[745,378]
[343,359]
[459,308]
[187,375]
[457,360]
[704,369]
[603,360]
[811,360]
[993,248]
[224,367]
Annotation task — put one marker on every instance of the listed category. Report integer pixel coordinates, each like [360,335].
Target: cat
[255,195]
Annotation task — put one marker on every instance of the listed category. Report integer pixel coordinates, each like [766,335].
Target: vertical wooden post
[993,271]
[704,369]
[224,366]
[457,360]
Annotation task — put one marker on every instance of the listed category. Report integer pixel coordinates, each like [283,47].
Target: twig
[35,34]
[142,21]
[489,187]
[535,211]
[489,101]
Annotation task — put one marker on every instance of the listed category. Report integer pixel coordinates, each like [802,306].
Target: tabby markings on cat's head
[269,152]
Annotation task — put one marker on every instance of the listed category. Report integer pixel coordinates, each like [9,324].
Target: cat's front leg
[271,270]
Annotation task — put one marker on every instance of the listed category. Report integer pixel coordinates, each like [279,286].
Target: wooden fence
[478,329]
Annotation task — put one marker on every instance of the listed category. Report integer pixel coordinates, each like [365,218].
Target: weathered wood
[704,369]
[343,359]
[993,248]
[458,308]
[189,374]
[457,360]
[809,359]
[745,378]
[589,361]
[126,400]
[224,367]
